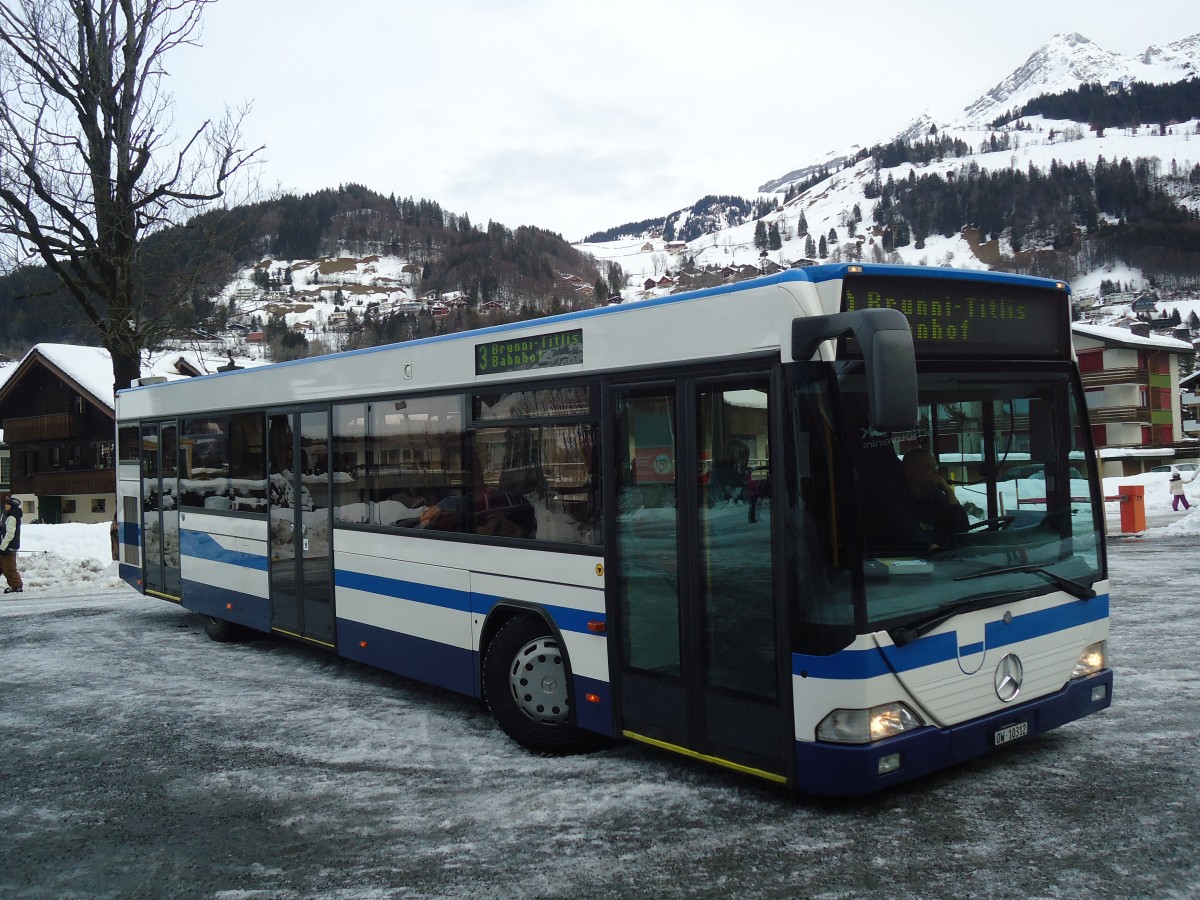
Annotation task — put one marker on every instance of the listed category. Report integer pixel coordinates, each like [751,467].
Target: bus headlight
[861,726]
[1092,660]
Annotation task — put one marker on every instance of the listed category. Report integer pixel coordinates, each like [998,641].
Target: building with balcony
[1131,380]
[57,415]
[7,367]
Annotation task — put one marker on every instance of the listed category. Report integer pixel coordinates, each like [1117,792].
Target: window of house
[99,504]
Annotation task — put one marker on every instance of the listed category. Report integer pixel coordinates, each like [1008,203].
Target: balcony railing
[1115,415]
[74,481]
[1107,377]
[53,427]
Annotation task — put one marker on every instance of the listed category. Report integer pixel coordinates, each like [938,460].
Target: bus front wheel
[525,686]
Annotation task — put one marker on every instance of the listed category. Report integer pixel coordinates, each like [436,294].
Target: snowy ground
[139,759]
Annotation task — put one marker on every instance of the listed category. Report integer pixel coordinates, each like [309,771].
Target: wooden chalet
[57,414]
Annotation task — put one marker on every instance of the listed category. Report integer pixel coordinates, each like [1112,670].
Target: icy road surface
[139,759]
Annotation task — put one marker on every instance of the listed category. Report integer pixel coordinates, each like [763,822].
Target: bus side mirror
[887,351]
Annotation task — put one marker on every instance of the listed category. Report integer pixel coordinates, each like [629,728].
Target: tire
[220,630]
[526,687]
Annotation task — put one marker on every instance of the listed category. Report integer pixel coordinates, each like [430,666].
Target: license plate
[1010,733]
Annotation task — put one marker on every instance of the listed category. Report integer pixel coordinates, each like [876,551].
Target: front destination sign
[947,319]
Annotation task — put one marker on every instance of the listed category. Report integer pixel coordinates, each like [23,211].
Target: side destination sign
[969,318]
[540,351]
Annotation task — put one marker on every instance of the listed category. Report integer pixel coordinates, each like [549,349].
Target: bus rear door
[299,543]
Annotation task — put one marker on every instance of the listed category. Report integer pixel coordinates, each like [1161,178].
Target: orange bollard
[1133,507]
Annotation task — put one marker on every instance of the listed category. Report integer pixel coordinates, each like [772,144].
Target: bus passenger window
[538,460]
[415,462]
[349,463]
[248,462]
[204,484]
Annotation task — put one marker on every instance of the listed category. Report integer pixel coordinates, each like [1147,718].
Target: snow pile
[70,555]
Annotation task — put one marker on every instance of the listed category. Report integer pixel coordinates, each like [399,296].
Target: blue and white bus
[672,521]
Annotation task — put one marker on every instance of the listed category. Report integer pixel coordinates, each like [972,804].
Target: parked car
[1035,471]
[1177,467]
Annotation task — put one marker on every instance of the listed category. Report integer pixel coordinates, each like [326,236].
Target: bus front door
[696,591]
[300,562]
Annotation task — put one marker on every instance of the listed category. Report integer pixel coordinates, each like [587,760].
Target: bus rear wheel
[526,687]
[220,630]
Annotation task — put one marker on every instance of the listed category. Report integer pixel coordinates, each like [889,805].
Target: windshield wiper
[904,634]
[1072,587]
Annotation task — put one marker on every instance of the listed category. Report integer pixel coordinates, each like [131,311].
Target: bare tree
[90,165]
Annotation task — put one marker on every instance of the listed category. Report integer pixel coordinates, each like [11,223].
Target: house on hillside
[57,413]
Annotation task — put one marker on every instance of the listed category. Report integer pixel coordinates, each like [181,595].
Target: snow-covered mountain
[838,208]
[1061,64]
[1068,60]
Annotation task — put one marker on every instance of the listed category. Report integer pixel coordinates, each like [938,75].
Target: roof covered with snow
[1111,334]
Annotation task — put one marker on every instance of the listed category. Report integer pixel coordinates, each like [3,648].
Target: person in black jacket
[10,543]
[918,515]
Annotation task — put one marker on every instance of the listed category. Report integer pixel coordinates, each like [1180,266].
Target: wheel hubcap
[538,681]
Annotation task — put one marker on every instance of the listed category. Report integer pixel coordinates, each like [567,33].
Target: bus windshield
[992,498]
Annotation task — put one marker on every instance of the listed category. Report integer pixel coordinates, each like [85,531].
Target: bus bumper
[854,769]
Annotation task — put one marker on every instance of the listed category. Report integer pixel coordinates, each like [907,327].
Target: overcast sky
[577,117]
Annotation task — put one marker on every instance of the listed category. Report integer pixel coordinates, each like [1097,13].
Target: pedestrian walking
[10,543]
[1177,495]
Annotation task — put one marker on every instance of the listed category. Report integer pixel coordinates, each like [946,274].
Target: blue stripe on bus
[222,603]
[928,651]
[131,575]
[837,271]
[853,769]
[419,658]
[566,618]
[447,598]
[202,546]
[594,715]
